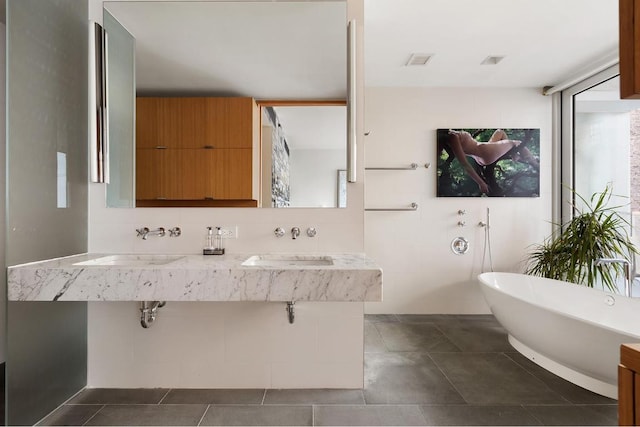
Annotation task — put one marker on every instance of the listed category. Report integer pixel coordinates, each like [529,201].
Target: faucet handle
[279,232]
[161,231]
[175,232]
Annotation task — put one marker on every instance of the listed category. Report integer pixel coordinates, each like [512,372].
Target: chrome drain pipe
[291,311]
[148,312]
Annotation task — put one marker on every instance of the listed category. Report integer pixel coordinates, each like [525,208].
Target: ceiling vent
[418,59]
[492,60]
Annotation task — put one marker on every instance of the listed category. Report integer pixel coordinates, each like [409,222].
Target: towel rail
[412,166]
[412,207]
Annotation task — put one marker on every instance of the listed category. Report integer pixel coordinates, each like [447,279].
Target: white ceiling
[296,49]
[267,50]
[287,49]
[544,41]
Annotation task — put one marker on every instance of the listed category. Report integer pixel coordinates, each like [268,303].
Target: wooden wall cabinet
[629,48]
[629,385]
[197,148]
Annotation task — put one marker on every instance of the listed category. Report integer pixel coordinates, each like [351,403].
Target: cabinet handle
[161,147]
[161,198]
[209,147]
[209,198]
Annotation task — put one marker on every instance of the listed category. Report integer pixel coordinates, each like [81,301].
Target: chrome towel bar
[412,166]
[412,207]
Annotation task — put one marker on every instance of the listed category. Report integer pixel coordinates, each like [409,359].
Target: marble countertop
[351,277]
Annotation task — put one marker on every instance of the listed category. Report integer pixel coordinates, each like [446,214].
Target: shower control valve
[462,212]
[461,223]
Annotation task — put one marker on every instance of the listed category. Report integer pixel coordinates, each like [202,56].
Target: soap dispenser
[208,243]
[218,242]
[213,242]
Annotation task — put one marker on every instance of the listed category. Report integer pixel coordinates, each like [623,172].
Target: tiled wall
[422,274]
[229,344]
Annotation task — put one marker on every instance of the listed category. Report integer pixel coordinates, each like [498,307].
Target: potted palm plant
[596,231]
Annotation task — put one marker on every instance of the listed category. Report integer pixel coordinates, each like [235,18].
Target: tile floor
[419,370]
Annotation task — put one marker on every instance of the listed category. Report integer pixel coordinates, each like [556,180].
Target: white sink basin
[131,260]
[287,260]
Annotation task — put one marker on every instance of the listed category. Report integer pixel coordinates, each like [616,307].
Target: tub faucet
[627,271]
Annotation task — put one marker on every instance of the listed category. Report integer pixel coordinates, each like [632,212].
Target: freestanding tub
[571,330]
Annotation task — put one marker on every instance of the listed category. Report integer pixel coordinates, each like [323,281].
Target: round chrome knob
[311,231]
[279,232]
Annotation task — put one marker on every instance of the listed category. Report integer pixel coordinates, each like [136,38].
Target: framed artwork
[488,162]
[342,188]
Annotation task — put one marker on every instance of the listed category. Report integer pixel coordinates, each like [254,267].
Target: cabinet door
[229,173]
[229,122]
[190,124]
[190,171]
[155,171]
[147,122]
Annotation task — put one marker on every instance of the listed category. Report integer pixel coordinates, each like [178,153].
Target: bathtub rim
[553,310]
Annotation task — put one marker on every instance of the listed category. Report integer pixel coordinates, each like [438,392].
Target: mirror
[280,50]
[307,151]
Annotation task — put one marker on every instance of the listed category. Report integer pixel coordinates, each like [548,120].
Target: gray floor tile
[476,335]
[571,415]
[257,415]
[70,415]
[423,318]
[569,391]
[493,379]
[116,396]
[406,378]
[218,396]
[466,415]
[369,415]
[372,340]
[609,411]
[414,337]
[314,397]
[148,415]
[374,318]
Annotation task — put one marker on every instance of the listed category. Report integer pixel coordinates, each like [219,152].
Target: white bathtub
[571,330]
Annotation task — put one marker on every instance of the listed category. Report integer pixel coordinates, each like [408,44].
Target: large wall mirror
[226,94]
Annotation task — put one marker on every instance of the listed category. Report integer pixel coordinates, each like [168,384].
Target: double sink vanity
[231,277]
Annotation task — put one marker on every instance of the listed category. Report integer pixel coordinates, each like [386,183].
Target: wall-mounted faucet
[144,232]
[295,232]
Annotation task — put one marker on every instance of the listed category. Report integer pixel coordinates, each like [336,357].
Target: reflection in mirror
[308,149]
[250,49]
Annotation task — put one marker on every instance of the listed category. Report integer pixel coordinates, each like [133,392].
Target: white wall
[421,274]
[229,344]
[316,169]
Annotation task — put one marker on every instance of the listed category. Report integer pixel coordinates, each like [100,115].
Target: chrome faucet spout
[144,232]
[627,271]
[295,232]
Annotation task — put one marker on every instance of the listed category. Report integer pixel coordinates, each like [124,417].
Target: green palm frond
[596,231]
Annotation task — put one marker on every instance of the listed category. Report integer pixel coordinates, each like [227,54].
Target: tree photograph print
[488,162]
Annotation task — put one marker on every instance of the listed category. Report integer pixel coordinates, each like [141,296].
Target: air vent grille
[492,60]
[418,59]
